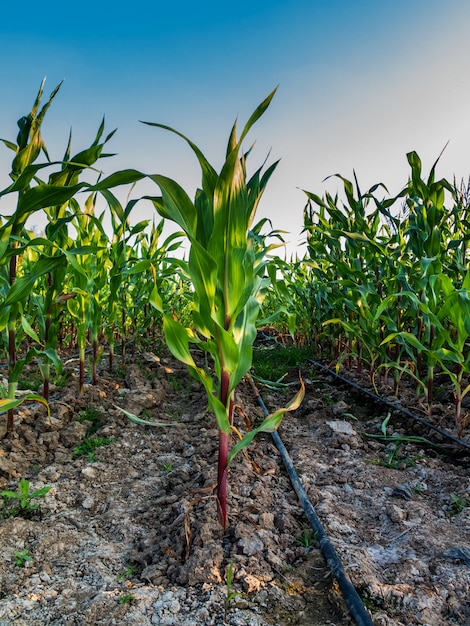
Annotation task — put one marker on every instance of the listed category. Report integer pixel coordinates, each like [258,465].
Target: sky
[359,84]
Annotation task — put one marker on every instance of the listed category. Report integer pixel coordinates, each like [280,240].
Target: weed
[459,503]
[62,379]
[307,538]
[230,595]
[126,598]
[119,372]
[167,467]
[273,363]
[19,503]
[176,383]
[92,415]
[395,461]
[327,399]
[90,444]
[32,382]
[22,557]
[128,573]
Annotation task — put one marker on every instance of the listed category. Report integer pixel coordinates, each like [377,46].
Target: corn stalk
[227,276]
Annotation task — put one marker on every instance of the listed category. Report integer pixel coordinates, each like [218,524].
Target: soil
[129,533]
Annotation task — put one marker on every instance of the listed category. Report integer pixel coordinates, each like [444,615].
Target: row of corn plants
[385,282]
[74,279]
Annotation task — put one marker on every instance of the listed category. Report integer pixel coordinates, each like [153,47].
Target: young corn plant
[31,195]
[119,252]
[226,270]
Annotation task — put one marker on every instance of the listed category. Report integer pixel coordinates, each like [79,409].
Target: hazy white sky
[360,85]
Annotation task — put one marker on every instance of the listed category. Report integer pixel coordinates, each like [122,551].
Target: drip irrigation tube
[350,595]
[391,405]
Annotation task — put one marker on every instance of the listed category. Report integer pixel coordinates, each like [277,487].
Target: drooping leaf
[269,424]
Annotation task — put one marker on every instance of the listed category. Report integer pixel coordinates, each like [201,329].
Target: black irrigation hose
[350,595]
[390,405]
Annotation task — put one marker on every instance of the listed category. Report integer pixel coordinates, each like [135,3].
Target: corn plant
[226,272]
[395,282]
[33,194]
[151,270]
[19,502]
[118,256]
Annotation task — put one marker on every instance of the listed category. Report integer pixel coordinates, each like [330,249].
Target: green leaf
[257,114]
[177,205]
[123,177]
[139,420]
[177,339]
[270,423]
[209,175]
[23,286]
[29,330]
[44,196]
[9,403]
[156,300]
[408,337]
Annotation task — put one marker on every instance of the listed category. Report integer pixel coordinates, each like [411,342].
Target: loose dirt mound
[129,533]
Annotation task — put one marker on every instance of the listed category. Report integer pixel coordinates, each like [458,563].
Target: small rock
[340,407]
[403,491]
[342,427]
[75,432]
[7,466]
[395,513]
[89,472]
[251,583]
[251,545]
[266,520]
[88,502]
[44,576]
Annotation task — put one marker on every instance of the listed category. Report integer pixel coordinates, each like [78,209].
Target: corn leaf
[269,424]
[139,420]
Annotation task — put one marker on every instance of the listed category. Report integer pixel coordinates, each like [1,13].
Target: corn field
[383,287]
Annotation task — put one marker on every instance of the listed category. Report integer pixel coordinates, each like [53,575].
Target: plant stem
[95,359]
[222,468]
[81,379]
[11,348]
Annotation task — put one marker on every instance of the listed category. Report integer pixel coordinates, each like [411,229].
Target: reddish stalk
[11,345]
[123,334]
[81,378]
[458,395]
[95,359]
[222,468]
[430,373]
[45,389]
[11,365]
[111,348]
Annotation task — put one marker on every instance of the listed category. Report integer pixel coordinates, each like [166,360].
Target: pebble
[403,491]
[89,472]
[395,513]
[340,407]
[88,502]
[251,545]
[342,427]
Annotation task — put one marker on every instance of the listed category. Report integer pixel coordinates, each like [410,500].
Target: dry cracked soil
[128,532]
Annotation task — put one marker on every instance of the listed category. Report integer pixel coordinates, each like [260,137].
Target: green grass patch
[94,416]
[274,362]
[89,446]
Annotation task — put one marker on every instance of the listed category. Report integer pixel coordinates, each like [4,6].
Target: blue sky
[360,85]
